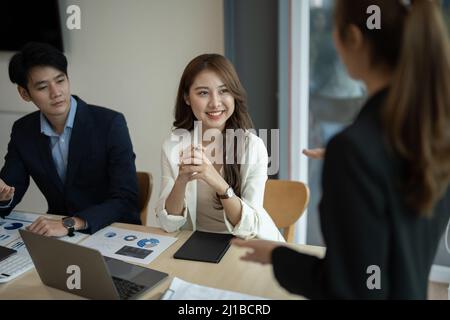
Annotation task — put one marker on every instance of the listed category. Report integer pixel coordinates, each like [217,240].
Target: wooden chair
[145,186]
[285,201]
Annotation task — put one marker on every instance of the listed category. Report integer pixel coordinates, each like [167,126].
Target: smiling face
[49,90]
[210,100]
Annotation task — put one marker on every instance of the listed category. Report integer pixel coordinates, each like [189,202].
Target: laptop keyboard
[127,289]
[14,266]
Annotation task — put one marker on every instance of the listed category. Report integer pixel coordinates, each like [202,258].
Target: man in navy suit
[79,155]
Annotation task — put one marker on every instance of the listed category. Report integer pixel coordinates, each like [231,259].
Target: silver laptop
[85,272]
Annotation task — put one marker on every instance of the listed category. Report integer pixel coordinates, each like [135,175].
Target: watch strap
[229,193]
[70,229]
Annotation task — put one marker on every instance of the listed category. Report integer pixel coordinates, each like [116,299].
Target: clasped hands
[194,165]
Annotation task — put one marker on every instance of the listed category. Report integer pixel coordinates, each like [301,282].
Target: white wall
[128,56]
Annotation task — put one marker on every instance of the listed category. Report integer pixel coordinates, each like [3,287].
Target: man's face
[49,90]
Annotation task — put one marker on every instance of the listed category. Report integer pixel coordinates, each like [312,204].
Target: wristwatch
[69,224]
[229,193]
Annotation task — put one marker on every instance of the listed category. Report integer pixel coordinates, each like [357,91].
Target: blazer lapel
[48,162]
[191,187]
[79,140]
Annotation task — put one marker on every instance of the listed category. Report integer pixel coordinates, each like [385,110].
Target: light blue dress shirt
[59,144]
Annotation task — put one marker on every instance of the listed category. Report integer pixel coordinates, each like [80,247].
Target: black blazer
[101,183]
[365,222]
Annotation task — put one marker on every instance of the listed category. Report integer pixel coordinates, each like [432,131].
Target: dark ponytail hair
[240,119]
[413,42]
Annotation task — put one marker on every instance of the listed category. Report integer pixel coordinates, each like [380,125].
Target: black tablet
[204,246]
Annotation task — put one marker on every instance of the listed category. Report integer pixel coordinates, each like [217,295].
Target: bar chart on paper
[18,245]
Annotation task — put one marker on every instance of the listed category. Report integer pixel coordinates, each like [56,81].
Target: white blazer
[255,221]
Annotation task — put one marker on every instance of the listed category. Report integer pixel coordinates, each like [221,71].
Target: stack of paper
[183,290]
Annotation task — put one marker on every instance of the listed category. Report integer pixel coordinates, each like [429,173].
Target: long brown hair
[413,43]
[240,119]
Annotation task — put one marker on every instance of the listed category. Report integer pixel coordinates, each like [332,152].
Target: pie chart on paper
[110,234]
[13,226]
[148,243]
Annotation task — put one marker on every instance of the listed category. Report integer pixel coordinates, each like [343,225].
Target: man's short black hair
[35,54]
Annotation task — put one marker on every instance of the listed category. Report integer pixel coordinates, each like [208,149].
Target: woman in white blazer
[214,169]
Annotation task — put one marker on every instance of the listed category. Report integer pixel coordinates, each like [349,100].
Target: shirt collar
[46,127]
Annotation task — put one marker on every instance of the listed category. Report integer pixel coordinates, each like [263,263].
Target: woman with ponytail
[386,197]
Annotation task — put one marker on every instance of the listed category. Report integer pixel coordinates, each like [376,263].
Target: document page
[128,245]
[16,220]
[183,290]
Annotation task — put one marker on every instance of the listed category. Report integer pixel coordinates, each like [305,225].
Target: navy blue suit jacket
[101,183]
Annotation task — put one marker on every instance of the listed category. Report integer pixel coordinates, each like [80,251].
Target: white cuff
[7,206]
[171,222]
[246,227]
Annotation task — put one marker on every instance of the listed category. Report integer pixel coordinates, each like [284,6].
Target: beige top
[209,218]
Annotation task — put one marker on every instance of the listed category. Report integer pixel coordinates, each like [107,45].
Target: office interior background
[129,56]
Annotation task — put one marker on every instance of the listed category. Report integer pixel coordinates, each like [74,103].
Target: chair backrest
[145,186]
[285,201]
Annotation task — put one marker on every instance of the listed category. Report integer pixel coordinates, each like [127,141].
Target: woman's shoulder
[254,140]
[362,145]
[252,135]
[259,145]
[255,148]
[175,137]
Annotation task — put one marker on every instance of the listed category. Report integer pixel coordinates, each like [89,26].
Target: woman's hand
[261,250]
[196,165]
[187,158]
[317,154]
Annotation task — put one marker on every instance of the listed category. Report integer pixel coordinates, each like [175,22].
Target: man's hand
[6,192]
[48,227]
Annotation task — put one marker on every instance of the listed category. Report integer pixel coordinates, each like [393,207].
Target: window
[334,101]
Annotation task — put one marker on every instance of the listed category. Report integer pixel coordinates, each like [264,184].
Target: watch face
[230,192]
[69,222]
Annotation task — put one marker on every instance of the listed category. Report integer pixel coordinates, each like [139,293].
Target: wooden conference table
[230,274]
